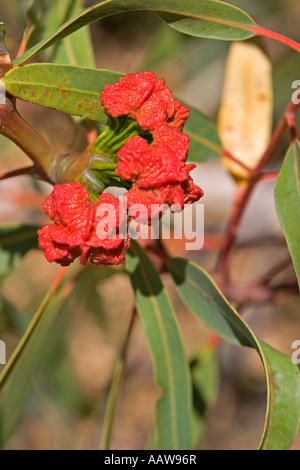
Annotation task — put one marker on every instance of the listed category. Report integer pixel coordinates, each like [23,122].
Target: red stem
[268,176]
[242,196]
[27,171]
[243,193]
[291,122]
[260,31]
[236,160]
[18,131]
[48,164]
[267,278]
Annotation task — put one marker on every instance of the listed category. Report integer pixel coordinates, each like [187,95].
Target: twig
[243,193]
[260,31]
[27,171]
[267,278]
[229,155]
[268,176]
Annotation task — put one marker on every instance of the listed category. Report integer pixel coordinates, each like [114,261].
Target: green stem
[114,137]
[121,136]
[114,390]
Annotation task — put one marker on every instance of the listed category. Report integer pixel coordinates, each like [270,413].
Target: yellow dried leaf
[245,118]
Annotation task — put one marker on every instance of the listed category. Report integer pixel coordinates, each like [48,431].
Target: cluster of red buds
[154,164]
[77,220]
[158,171]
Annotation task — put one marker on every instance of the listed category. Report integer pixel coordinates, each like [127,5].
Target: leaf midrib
[56,87]
[205,142]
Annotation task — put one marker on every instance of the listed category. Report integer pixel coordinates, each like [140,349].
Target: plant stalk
[18,131]
[245,189]
[278,37]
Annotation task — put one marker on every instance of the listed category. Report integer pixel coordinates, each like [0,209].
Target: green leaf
[206,302]
[287,198]
[205,143]
[77,90]
[283,406]
[173,409]
[75,49]
[205,18]
[15,242]
[74,90]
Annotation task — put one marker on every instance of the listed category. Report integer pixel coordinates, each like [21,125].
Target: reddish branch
[27,171]
[260,31]
[267,278]
[244,191]
[229,155]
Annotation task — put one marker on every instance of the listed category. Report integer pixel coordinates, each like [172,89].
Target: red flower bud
[75,229]
[174,137]
[145,98]
[57,252]
[181,114]
[128,94]
[158,172]
[151,166]
[69,206]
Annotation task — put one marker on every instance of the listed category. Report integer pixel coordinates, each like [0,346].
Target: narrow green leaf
[205,18]
[74,90]
[15,242]
[205,143]
[206,302]
[287,198]
[283,407]
[173,409]
[77,90]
